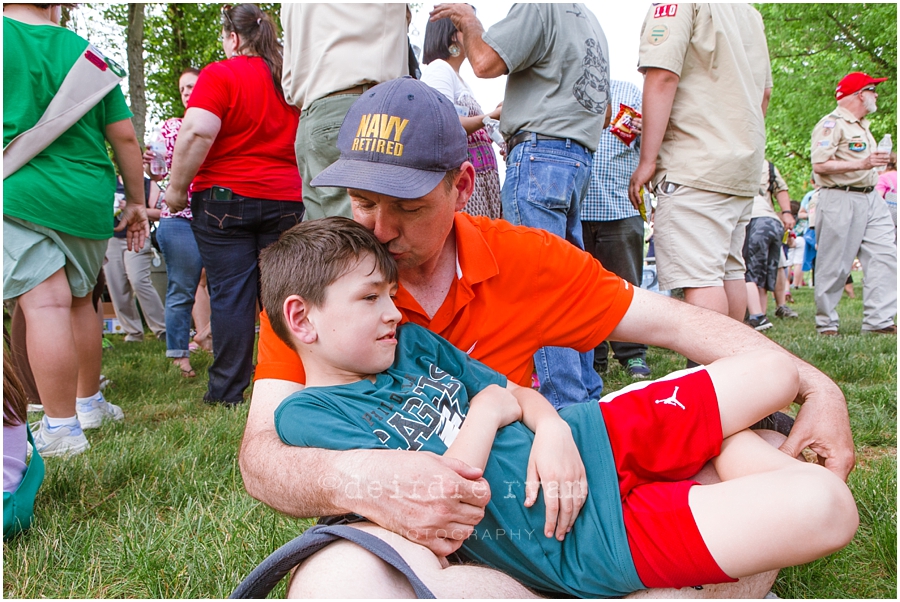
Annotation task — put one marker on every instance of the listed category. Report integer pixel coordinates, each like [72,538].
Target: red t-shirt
[517,290]
[253,154]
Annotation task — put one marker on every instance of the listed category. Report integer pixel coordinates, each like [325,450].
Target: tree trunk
[134,35]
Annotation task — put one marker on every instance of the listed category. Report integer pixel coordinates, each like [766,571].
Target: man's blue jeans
[183,267]
[546,181]
[230,236]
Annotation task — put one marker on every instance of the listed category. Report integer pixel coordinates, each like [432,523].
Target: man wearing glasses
[851,219]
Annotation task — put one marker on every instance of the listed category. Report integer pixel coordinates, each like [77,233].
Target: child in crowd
[617,513]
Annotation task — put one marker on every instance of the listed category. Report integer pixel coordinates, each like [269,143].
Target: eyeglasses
[226,14]
[867,89]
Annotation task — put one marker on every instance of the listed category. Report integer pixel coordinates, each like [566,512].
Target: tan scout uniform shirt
[762,202]
[333,47]
[716,136]
[841,136]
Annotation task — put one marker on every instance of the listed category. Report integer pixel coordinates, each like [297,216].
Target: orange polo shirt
[517,289]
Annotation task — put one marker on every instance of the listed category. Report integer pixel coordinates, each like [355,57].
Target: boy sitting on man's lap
[622,520]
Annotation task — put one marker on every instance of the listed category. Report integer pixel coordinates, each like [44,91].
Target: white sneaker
[92,415]
[63,441]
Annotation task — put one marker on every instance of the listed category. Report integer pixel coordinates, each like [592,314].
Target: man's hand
[432,500]
[823,425]
[556,465]
[176,199]
[788,220]
[876,159]
[637,125]
[640,178]
[134,217]
[457,13]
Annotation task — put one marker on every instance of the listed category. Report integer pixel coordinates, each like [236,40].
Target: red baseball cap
[854,82]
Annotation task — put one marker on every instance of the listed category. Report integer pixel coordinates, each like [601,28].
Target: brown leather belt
[524,137]
[865,190]
[354,90]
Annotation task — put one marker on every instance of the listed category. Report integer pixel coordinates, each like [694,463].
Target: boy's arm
[385,486]
[555,463]
[489,410]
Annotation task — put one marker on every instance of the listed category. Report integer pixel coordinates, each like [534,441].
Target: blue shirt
[614,162]
[419,404]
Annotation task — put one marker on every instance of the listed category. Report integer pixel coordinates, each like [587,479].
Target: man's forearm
[837,166]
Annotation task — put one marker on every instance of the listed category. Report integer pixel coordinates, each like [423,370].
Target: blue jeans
[230,236]
[546,181]
[183,267]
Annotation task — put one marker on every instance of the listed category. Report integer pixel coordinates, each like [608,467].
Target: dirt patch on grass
[867,455]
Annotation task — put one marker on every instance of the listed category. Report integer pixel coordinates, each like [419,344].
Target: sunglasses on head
[226,13]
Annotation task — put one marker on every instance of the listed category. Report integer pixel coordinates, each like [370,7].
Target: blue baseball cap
[399,138]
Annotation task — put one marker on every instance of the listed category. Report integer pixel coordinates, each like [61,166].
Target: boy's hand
[556,465]
[500,403]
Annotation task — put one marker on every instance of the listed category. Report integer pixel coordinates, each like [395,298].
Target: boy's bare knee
[825,502]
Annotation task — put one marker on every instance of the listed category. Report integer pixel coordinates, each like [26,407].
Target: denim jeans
[546,181]
[230,236]
[619,246]
[183,267]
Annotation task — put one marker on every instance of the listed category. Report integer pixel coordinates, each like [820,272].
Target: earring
[454,50]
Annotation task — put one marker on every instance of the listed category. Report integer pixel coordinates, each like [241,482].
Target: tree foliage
[812,46]
[175,36]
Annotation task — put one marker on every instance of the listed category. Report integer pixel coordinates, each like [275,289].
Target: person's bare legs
[736,294]
[201,313]
[754,299]
[51,344]
[781,288]
[334,573]
[729,299]
[19,354]
[770,511]
[87,335]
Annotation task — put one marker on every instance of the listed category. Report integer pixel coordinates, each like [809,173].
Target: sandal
[185,372]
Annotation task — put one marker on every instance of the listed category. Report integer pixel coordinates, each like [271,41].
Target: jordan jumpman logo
[671,401]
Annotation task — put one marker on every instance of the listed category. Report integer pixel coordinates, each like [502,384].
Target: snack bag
[648,201]
[621,126]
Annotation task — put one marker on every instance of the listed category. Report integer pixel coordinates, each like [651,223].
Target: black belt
[865,190]
[524,137]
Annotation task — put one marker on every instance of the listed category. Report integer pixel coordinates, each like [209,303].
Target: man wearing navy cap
[851,219]
[485,285]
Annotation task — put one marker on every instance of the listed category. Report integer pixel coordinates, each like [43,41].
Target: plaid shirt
[614,162]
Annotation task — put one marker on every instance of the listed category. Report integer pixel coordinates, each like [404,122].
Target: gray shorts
[33,253]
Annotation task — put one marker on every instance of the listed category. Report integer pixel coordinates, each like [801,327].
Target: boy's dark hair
[311,256]
[795,207]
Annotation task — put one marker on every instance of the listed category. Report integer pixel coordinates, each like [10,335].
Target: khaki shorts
[699,236]
[33,253]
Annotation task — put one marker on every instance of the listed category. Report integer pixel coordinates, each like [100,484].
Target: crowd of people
[348,201]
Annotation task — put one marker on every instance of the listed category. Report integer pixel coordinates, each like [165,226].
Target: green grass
[157,508]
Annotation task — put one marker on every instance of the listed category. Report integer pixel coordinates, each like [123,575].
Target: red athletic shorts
[663,432]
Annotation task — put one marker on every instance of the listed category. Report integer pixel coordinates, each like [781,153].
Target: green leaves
[812,46]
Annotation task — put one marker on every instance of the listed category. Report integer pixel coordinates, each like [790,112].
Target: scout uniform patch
[665,10]
[658,34]
[857,147]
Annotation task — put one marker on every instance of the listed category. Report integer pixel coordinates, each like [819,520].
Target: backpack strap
[88,81]
[266,576]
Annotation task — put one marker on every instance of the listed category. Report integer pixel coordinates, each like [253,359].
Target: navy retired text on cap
[399,138]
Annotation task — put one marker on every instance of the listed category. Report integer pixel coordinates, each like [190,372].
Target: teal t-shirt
[69,186]
[420,403]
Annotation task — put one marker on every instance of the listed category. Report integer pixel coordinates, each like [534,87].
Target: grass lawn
[157,509]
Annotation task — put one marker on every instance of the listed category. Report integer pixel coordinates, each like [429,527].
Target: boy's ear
[296,314]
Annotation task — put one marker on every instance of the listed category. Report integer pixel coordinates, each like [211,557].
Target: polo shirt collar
[475,263]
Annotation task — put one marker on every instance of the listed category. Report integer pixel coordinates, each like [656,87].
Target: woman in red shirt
[235,152]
